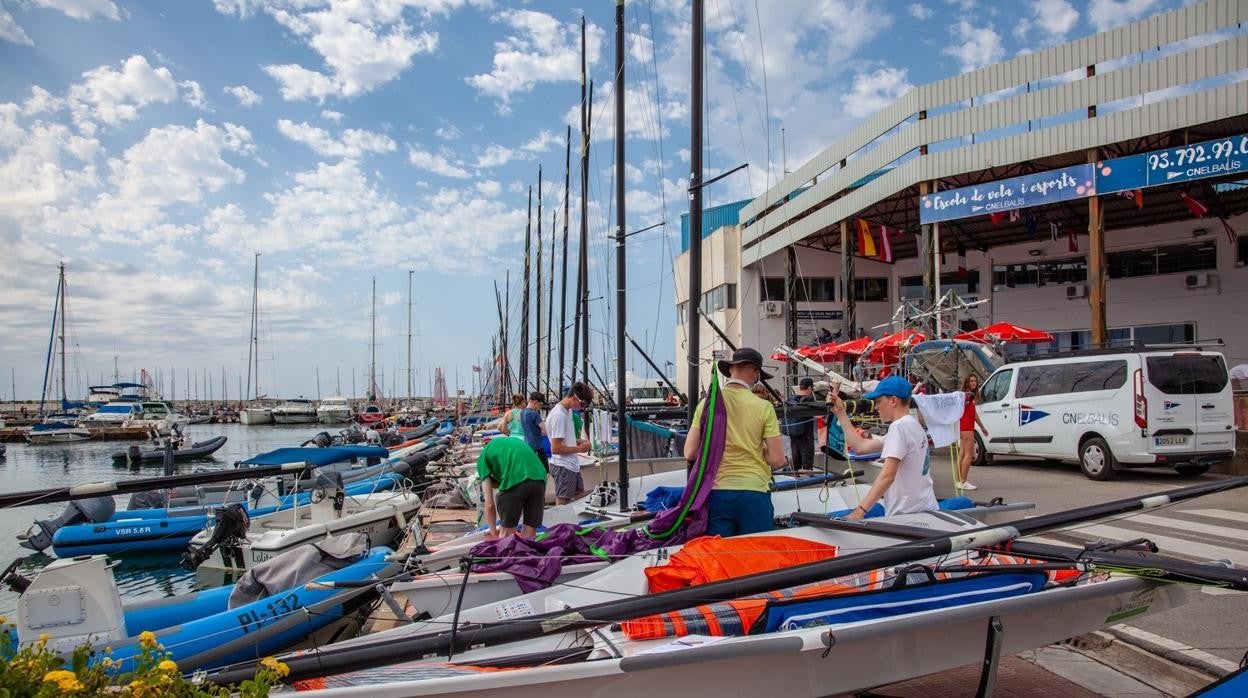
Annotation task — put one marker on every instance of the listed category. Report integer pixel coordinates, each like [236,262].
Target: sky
[155,147]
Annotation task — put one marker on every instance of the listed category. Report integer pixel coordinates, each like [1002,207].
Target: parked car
[1112,409]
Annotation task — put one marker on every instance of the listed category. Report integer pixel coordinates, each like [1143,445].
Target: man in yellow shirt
[740,500]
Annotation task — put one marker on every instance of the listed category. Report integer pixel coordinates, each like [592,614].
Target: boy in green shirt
[511,468]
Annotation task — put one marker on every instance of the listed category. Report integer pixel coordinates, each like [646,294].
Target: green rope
[712,401]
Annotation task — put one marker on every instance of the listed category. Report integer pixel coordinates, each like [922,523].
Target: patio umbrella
[886,349]
[833,350]
[1006,332]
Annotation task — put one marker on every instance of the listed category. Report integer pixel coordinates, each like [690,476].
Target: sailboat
[372,412]
[61,426]
[255,412]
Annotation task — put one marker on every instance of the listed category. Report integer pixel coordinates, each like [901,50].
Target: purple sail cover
[537,563]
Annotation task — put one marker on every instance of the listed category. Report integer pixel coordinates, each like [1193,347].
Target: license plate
[1169,440]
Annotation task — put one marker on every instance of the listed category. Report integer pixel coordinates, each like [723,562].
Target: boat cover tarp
[295,567]
[1229,686]
[537,563]
[835,609]
[317,456]
[736,617]
[662,497]
[712,559]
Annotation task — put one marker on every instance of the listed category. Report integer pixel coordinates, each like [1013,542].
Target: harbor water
[138,575]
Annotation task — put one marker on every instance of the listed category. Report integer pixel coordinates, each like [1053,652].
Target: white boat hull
[809,662]
[255,415]
[281,417]
[59,436]
[333,416]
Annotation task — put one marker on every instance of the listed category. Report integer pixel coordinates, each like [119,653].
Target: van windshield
[1187,374]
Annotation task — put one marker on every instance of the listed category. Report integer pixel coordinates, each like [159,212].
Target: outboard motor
[93,510]
[229,534]
[321,440]
[134,454]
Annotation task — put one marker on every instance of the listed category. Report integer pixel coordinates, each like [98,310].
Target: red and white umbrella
[833,351]
[1006,332]
[886,349]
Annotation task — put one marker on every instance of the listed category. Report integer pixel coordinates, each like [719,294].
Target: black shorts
[527,498]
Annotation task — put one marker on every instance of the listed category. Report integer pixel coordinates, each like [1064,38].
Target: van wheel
[1191,470]
[982,456]
[1096,460]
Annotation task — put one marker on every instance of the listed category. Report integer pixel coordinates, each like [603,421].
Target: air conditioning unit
[772,308]
[1198,280]
[1077,291]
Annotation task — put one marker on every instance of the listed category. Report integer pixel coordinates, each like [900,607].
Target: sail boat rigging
[255,412]
[60,426]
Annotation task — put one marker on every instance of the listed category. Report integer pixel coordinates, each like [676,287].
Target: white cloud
[1104,15]
[875,90]
[193,94]
[539,49]
[83,9]
[489,187]
[633,174]
[363,44]
[639,114]
[495,155]
[542,142]
[10,30]
[41,101]
[245,95]
[353,143]
[919,11]
[331,115]
[113,96]
[975,46]
[49,167]
[1052,18]
[435,163]
[449,132]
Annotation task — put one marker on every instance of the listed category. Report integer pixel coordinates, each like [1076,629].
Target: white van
[1112,409]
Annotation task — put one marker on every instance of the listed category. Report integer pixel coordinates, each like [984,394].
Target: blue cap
[893,385]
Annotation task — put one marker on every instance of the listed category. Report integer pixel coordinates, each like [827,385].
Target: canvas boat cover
[298,566]
[537,563]
[317,456]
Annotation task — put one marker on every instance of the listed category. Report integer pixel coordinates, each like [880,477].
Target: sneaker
[967,486]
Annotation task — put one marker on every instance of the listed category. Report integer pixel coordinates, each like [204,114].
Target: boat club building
[1096,189]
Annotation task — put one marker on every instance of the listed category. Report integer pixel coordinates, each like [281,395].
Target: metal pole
[550,306]
[589,106]
[621,298]
[410,272]
[563,276]
[524,300]
[537,330]
[695,214]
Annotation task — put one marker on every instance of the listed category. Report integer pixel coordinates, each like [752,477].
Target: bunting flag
[1072,242]
[886,245]
[1198,209]
[997,217]
[1014,215]
[476,369]
[866,241]
[961,262]
[1031,222]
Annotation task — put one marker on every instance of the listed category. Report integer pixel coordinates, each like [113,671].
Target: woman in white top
[905,484]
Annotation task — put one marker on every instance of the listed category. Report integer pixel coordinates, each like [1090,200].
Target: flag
[961,262]
[866,242]
[1072,242]
[1136,195]
[1014,215]
[1031,222]
[997,217]
[1198,209]
[476,369]
[886,247]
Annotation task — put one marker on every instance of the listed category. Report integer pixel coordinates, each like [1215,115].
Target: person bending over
[510,467]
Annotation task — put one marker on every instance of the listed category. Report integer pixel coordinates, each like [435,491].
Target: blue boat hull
[170,530]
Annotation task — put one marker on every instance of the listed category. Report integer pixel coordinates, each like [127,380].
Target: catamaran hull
[810,662]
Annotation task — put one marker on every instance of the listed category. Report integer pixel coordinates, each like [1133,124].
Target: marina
[824,369]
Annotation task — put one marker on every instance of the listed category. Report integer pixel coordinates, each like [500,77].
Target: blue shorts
[734,512]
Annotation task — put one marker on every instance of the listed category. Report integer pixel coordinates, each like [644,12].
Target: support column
[927,260]
[1096,267]
[849,322]
[790,305]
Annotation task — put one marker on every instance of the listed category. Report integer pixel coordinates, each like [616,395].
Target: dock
[18,434]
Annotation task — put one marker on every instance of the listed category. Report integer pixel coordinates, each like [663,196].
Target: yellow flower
[147,639]
[65,680]
[4,619]
[168,665]
[43,639]
[278,667]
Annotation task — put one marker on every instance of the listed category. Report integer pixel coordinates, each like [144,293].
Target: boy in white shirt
[905,483]
[565,469]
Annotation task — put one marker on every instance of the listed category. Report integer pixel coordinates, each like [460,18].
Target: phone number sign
[1225,156]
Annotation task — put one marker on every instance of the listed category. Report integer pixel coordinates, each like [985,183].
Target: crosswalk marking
[1186,526]
[1168,544]
[1241,517]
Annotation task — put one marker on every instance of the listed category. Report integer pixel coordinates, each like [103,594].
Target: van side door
[997,411]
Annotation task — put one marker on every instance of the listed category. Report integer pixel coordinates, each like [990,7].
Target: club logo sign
[1167,405]
[1027,415]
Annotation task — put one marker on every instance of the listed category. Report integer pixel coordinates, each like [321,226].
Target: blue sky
[155,146]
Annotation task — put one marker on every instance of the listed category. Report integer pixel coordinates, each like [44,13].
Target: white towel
[941,413]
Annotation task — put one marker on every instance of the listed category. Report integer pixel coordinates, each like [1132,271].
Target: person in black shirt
[801,430]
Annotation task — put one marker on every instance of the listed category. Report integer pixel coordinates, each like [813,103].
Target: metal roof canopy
[1161,204]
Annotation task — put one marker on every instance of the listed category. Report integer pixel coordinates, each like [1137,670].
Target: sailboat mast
[524,300]
[506,338]
[410,272]
[372,346]
[61,292]
[253,347]
[537,331]
[563,276]
[693,321]
[621,348]
[586,106]
[550,306]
